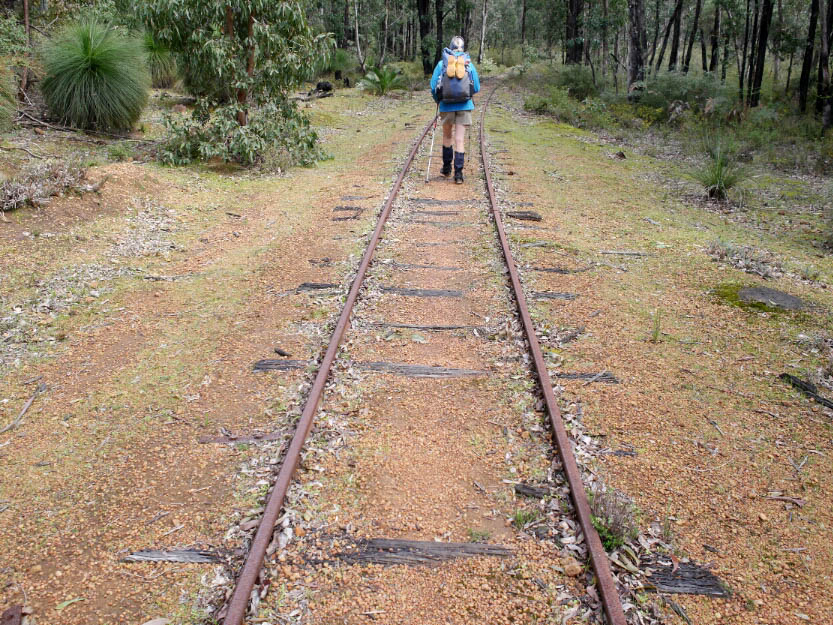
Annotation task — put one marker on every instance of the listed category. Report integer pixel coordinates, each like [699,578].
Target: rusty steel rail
[239,602]
[601,565]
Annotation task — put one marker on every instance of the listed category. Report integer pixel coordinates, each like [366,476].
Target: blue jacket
[468,105]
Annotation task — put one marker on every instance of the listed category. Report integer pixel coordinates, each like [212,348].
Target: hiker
[453,84]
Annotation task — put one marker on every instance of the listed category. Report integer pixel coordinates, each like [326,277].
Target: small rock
[763,517]
[300,532]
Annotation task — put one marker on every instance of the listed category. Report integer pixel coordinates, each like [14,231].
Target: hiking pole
[431,152]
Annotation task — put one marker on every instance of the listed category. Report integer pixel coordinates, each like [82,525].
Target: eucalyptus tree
[240,57]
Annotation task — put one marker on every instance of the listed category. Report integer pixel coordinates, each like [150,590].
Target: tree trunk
[523,22]
[636,39]
[694,28]
[677,9]
[438,12]
[424,16]
[789,72]
[384,38]
[24,79]
[827,106]
[675,39]
[483,31]
[345,35]
[656,34]
[763,37]
[605,50]
[715,39]
[725,63]
[824,26]
[356,33]
[574,43]
[742,57]
[824,63]
[753,53]
[704,54]
[243,94]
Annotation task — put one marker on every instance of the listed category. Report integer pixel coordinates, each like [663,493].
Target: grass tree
[382,80]
[241,59]
[96,77]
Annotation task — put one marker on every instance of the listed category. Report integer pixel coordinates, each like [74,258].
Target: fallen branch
[27,405]
[17,147]
[624,253]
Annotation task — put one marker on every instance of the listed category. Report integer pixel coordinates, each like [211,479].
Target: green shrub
[96,77]
[8,103]
[119,152]
[556,103]
[161,62]
[340,61]
[277,131]
[12,35]
[382,80]
[578,81]
[703,93]
[487,66]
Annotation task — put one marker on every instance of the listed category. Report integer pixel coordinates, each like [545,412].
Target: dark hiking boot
[448,155]
[459,161]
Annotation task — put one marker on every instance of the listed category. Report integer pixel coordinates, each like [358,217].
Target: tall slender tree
[763,37]
[574,43]
[807,64]
[694,28]
[636,44]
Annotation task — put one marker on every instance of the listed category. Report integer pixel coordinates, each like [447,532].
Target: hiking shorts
[456,117]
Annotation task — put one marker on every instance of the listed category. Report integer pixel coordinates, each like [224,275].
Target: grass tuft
[96,77]
[720,173]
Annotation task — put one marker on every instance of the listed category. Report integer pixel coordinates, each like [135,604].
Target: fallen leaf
[418,338]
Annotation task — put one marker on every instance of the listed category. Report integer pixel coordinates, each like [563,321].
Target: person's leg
[459,151]
[459,138]
[448,151]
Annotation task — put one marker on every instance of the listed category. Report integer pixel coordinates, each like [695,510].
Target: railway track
[447,217]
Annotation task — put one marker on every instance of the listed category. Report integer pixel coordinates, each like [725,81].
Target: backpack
[455,82]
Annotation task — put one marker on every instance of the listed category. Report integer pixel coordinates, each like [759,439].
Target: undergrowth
[36,184]
[614,517]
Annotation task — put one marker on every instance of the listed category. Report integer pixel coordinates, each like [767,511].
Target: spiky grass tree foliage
[96,77]
[161,62]
[382,80]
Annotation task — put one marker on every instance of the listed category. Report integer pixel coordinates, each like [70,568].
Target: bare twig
[716,427]
[793,500]
[17,147]
[27,405]
[175,529]
[595,377]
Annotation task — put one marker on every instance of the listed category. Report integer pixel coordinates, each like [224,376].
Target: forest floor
[133,316]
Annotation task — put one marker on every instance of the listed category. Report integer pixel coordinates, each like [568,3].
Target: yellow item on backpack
[451,70]
[461,68]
